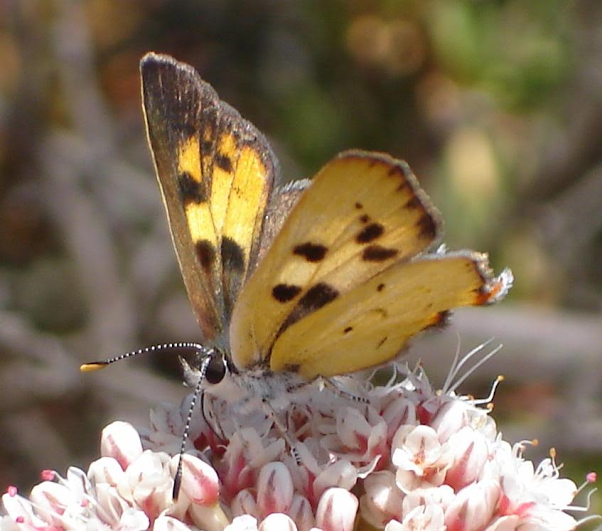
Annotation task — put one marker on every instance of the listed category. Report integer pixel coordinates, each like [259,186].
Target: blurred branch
[112,316]
[564,196]
[24,118]
[72,48]
[44,368]
[38,439]
[556,346]
[573,241]
[537,343]
[567,157]
[567,230]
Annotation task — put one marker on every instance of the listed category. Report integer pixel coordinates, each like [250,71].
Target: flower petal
[336,510]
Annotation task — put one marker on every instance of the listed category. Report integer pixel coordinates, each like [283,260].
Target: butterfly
[305,281]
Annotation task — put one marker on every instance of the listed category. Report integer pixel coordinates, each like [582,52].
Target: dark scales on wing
[381,312]
[312,252]
[206,145]
[428,227]
[403,187]
[190,190]
[285,292]
[316,297]
[186,129]
[400,173]
[223,162]
[378,253]
[414,202]
[382,342]
[439,320]
[395,170]
[370,233]
[205,252]
[233,257]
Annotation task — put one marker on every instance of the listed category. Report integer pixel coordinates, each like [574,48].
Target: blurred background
[496,105]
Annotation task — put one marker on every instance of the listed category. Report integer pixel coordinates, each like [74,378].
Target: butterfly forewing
[363,213]
[216,173]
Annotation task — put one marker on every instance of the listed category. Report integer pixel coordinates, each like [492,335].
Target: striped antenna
[198,390]
[96,365]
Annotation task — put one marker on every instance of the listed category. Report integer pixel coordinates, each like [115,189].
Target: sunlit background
[496,105]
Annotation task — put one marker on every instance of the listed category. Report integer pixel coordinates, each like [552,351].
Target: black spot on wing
[206,146]
[312,252]
[190,190]
[404,187]
[359,206]
[414,203]
[224,162]
[380,287]
[378,253]
[399,173]
[427,226]
[381,312]
[316,297]
[365,218]
[439,320]
[233,257]
[370,233]
[348,329]
[285,292]
[205,253]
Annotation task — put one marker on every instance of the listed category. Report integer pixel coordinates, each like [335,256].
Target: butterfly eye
[216,369]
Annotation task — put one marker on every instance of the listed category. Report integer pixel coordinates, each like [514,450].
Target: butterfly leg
[332,386]
[271,414]
[212,420]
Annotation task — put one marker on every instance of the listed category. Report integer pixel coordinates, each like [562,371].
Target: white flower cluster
[410,459]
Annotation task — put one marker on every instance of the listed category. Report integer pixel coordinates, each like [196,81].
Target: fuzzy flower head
[403,458]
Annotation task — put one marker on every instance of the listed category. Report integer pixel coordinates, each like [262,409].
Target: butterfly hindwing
[216,172]
[362,213]
[371,324]
[281,203]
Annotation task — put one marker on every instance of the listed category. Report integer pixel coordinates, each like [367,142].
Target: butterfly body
[292,284]
[247,390]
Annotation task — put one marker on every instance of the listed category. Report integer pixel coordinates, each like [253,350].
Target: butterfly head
[210,368]
[217,367]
